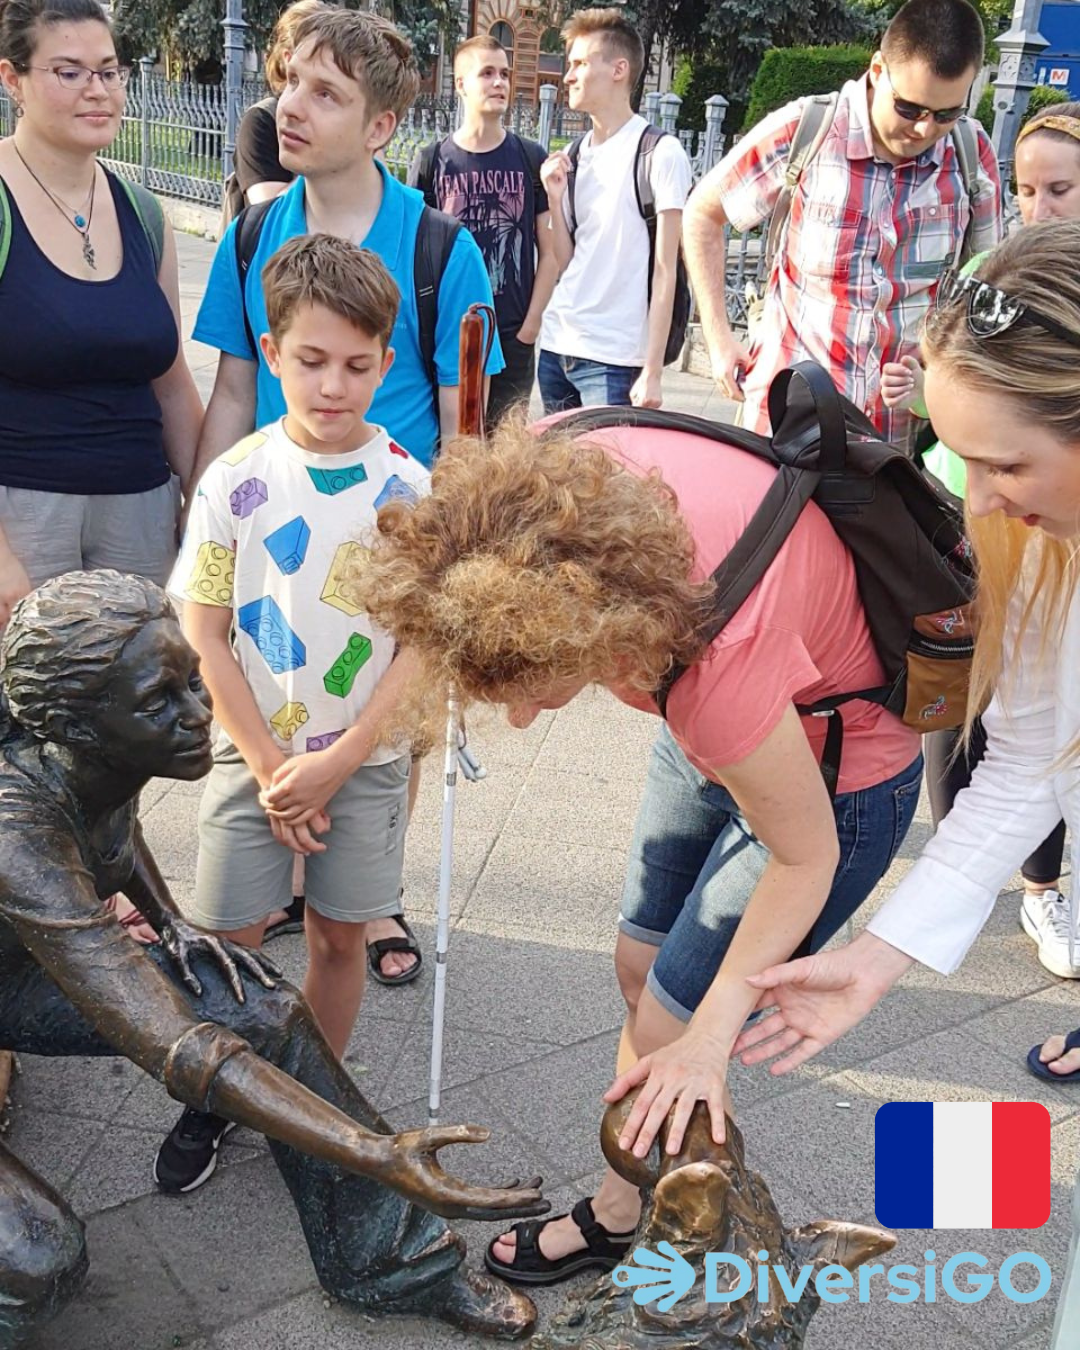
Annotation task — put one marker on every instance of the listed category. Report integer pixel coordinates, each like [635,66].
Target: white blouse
[1019,792]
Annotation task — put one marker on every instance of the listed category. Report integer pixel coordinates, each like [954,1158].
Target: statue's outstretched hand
[412,1169]
[182,941]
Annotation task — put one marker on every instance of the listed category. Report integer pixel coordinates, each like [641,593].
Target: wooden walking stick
[477,334]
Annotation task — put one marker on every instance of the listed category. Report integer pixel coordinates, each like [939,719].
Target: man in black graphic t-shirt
[489,179]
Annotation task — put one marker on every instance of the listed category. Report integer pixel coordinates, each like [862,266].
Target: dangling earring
[18,111]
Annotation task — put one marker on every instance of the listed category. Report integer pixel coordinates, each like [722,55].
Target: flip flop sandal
[293,922]
[1040,1070]
[530,1266]
[377,950]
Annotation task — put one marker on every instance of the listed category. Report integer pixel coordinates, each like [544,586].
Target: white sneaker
[1047,921]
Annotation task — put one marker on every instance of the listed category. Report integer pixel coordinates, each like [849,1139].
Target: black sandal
[377,950]
[293,922]
[530,1266]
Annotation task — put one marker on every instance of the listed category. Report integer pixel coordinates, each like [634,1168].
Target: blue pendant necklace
[76,219]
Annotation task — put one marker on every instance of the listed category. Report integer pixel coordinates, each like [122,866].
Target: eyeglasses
[911,112]
[991,311]
[78,77]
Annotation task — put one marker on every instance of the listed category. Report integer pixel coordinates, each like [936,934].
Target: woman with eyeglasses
[1047,171]
[1002,354]
[99,414]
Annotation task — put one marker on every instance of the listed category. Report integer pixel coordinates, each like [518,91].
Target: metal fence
[172,139]
[173,134]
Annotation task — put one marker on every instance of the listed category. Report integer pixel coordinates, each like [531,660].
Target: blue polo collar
[385,235]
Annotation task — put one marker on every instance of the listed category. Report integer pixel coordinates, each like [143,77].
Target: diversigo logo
[938,1165]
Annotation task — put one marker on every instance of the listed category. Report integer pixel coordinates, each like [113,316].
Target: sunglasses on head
[991,311]
[912,112]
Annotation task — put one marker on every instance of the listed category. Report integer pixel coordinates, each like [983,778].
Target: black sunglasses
[991,311]
[911,112]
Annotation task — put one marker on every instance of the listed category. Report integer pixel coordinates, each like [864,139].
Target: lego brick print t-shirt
[497,196]
[272,532]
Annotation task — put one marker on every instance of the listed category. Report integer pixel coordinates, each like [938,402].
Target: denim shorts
[576,382]
[694,864]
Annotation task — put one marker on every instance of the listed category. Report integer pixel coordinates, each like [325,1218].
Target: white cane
[442,923]
[476,337]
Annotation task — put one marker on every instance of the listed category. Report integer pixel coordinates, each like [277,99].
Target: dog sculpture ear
[641,1172]
[692,1202]
[830,1242]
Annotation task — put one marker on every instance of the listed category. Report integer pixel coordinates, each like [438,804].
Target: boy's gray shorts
[244,874]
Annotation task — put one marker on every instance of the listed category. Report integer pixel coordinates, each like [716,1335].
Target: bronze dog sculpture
[101,693]
[707,1200]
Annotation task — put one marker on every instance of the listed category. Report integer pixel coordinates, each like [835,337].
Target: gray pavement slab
[533,1017]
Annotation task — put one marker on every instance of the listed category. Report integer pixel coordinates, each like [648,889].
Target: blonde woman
[1047,169]
[1002,354]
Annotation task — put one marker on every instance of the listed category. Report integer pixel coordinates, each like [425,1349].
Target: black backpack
[913,564]
[435,237]
[680,311]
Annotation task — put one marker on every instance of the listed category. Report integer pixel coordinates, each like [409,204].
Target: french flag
[962,1165]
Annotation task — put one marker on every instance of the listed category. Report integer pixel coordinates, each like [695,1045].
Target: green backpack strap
[151,217]
[5,228]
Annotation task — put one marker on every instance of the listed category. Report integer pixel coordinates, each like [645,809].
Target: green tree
[731,36]
[190,31]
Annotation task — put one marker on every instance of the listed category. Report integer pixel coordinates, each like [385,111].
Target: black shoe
[292,923]
[189,1155]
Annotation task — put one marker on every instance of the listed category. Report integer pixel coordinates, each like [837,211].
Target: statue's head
[96,662]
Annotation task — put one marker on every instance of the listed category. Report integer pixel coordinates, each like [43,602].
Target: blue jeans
[694,864]
[573,382]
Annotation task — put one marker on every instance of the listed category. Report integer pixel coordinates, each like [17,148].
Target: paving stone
[51,1144]
[467,1055]
[511,983]
[942,1068]
[568,893]
[240,1231]
[90,1087]
[130,1300]
[549,1100]
[119,1167]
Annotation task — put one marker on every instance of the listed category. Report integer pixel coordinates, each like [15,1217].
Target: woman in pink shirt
[538,567]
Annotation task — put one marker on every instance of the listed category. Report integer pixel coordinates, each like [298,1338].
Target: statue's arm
[147,889]
[48,898]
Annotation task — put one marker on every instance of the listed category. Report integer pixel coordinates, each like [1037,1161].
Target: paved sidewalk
[533,1021]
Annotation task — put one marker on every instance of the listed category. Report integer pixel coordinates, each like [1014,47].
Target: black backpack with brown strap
[913,564]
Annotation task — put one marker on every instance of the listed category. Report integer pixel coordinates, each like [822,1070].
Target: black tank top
[77,412]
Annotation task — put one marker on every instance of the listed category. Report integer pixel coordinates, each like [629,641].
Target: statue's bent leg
[42,1252]
[368,1245]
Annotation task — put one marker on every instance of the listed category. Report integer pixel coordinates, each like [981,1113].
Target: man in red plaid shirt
[878,215]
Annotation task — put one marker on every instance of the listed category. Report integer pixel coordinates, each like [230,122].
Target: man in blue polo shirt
[351,77]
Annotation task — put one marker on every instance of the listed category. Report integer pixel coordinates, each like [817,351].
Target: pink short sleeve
[724,707]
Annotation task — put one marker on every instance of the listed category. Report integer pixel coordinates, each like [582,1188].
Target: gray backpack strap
[814,125]
[965,141]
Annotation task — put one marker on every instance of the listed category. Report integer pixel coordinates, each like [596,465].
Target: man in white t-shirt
[604,333]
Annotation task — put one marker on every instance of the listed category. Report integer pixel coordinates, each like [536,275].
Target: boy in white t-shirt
[604,332]
[301,679]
